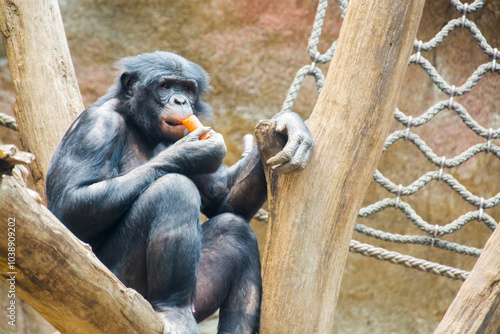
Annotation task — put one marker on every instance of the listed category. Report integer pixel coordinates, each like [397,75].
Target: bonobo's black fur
[131,181]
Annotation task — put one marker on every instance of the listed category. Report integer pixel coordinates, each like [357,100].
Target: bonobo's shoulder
[99,115]
[105,113]
[97,125]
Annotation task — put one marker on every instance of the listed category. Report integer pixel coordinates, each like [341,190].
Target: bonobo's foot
[178,320]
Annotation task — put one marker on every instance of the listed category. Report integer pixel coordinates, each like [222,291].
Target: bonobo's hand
[190,155]
[299,146]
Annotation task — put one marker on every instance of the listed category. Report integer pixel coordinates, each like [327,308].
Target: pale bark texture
[54,272]
[313,212]
[476,309]
[45,86]
[60,277]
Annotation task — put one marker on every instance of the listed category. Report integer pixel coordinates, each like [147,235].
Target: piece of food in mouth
[193,123]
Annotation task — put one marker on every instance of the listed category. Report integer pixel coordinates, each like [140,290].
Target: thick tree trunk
[47,266]
[313,212]
[475,308]
[59,276]
[47,94]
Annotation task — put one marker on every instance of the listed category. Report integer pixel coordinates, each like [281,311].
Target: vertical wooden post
[47,94]
[313,212]
[476,309]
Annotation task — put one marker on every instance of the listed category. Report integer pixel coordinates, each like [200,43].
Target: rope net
[8,121]
[407,123]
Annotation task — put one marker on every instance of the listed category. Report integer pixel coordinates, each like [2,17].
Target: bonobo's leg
[156,248]
[229,275]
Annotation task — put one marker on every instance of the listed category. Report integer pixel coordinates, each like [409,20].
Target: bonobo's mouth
[173,122]
[173,129]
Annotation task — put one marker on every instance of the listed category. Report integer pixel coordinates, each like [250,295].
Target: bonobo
[129,179]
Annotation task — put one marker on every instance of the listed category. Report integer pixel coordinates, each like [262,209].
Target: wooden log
[59,276]
[12,156]
[313,212]
[45,86]
[476,307]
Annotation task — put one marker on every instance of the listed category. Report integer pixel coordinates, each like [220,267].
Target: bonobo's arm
[242,188]
[85,189]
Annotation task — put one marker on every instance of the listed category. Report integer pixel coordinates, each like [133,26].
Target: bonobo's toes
[178,321]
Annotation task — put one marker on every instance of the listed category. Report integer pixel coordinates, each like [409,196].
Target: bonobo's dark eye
[186,89]
[165,85]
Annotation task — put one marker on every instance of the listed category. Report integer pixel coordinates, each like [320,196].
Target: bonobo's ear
[128,80]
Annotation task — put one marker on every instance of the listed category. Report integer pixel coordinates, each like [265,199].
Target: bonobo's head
[158,90]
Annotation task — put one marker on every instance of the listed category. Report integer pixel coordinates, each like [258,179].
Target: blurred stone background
[252,49]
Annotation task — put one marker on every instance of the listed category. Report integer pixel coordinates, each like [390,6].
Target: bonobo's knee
[175,189]
[229,222]
[234,229]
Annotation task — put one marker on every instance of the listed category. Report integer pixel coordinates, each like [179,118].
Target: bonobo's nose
[179,100]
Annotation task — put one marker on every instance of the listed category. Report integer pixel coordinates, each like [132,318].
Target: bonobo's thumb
[196,134]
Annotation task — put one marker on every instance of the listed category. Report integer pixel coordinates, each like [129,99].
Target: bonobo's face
[177,96]
[162,90]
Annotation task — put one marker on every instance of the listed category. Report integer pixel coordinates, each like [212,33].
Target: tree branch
[60,277]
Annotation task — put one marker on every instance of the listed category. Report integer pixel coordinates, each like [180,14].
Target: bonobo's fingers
[299,146]
[280,125]
[299,159]
[287,153]
[216,143]
[212,132]
[200,132]
[195,135]
[215,136]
